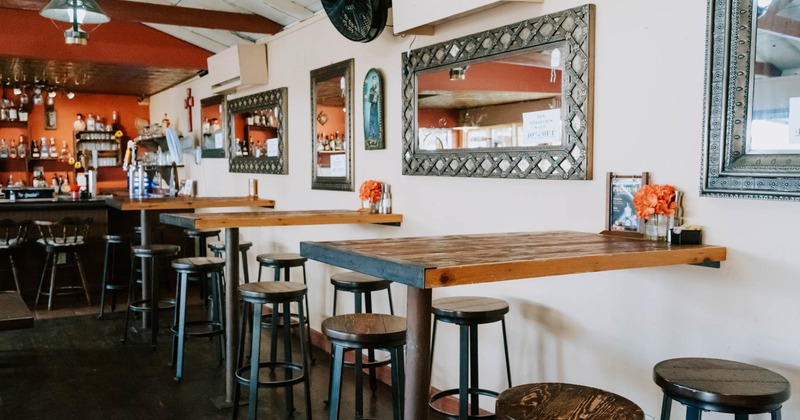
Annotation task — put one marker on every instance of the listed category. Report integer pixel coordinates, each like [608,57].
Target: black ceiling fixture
[358,20]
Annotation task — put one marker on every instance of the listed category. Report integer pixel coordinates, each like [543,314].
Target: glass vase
[370,207]
[656,227]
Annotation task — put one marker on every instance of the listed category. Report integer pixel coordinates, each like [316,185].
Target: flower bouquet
[655,204]
[370,195]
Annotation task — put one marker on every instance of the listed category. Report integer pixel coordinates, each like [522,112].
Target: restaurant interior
[513,159]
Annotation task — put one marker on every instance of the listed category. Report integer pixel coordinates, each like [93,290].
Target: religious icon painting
[373,111]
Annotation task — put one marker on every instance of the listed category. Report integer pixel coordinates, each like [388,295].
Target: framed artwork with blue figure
[373,110]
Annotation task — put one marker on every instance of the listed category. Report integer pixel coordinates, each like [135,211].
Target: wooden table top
[277,218]
[441,261]
[180,203]
[14,313]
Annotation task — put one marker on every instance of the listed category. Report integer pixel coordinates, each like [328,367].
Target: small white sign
[794,120]
[541,128]
[272,147]
[218,141]
[338,165]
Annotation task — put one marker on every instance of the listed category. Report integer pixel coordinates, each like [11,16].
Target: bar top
[50,203]
[441,261]
[179,203]
[277,218]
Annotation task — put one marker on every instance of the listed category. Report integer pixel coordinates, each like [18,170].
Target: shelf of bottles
[106,145]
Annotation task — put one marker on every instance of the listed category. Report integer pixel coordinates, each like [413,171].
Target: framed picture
[620,213]
[373,110]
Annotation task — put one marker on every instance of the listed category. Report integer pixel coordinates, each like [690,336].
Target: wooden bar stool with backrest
[360,332]
[285,262]
[218,248]
[198,267]
[113,244]
[254,296]
[468,312]
[564,401]
[13,237]
[721,386]
[66,237]
[361,286]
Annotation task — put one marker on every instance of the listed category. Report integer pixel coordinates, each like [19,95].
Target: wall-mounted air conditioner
[238,66]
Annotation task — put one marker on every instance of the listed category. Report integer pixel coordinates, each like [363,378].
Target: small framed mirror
[257,133]
[461,119]
[212,141]
[332,119]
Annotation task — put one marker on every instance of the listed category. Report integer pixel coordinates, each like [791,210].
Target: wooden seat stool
[196,267]
[285,262]
[722,386]
[366,331]
[66,237]
[563,401]
[151,255]
[13,237]
[200,238]
[113,242]
[219,247]
[362,286]
[468,312]
[254,296]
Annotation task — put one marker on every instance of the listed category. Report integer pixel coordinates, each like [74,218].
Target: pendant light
[76,12]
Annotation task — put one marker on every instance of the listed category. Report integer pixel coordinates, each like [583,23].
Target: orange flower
[370,190]
[654,199]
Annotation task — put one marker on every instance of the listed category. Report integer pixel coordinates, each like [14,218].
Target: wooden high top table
[424,263]
[231,222]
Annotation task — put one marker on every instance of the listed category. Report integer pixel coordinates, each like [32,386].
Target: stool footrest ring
[216,329]
[455,391]
[144,305]
[271,384]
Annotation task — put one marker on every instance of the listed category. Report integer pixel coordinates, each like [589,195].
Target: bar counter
[51,203]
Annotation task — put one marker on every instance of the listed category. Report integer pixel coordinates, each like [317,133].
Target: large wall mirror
[212,142]
[511,102]
[752,121]
[256,128]
[332,119]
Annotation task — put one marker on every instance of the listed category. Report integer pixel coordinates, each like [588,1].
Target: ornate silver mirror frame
[571,30]
[730,167]
[332,122]
[275,100]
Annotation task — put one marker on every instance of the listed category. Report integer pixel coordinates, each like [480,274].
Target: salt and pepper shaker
[386,199]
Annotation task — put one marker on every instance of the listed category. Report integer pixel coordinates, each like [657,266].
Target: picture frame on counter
[620,212]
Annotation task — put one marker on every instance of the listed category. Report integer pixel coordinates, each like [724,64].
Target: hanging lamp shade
[72,11]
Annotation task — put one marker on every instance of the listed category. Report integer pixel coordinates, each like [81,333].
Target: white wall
[605,329]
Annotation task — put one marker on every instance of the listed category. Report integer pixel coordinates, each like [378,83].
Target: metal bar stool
[201,238]
[366,331]
[66,237]
[197,267]
[362,286]
[722,386]
[285,261]
[13,237]
[219,247]
[564,401]
[149,254]
[109,270]
[271,293]
[468,312]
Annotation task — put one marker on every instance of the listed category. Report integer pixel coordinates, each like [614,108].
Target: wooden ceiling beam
[131,11]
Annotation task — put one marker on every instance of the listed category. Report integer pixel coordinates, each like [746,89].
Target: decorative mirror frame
[570,160]
[210,101]
[345,70]
[276,98]
[727,169]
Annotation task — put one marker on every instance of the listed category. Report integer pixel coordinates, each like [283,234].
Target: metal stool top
[722,385]
[198,264]
[469,309]
[356,282]
[281,260]
[155,250]
[192,233]
[366,329]
[559,400]
[220,246]
[272,291]
[118,239]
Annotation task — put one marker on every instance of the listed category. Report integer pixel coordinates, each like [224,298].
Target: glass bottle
[64,155]
[45,153]
[23,113]
[12,151]
[238,147]
[21,152]
[3,149]
[89,122]
[257,149]
[52,149]
[4,108]
[34,149]
[246,147]
[13,114]
[164,124]
[79,124]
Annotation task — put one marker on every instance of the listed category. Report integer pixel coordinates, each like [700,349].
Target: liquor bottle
[12,151]
[13,114]
[246,147]
[3,149]
[53,150]
[114,121]
[257,149]
[238,147]
[21,152]
[65,187]
[64,155]
[22,112]
[34,149]
[89,122]
[45,153]
[164,124]
[10,181]
[386,199]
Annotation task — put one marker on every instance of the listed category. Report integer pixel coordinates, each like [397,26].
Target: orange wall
[335,121]
[493,76]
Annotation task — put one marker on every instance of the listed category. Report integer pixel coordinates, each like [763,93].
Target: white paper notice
[541,127]
[794,120]
[272,147]
[218,141]
[338,165]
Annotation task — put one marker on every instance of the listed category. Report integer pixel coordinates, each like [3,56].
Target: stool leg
[244,267]
[273,345]
[131,284]
[335,292]
[176,319]
[505,347]
[244,311]
[397,382]
[14,272]
[666,407]
[740,416]
[83,277]
[358,372]
[463,386]
[287,354]
[336,392]
[104,282]
[433,344]
[373,383]
[473,369]
[181,308]
[304,348]
[218,316]
[52,280]
[112,270]
[693,413]
[391,305]
[308,315]
[776,415]
[41,280]
[254,358]
[154,294]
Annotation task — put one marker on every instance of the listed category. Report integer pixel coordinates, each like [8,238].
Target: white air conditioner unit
[238,66]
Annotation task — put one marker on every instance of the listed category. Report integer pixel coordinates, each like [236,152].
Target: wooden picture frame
[373,111]
[620,213]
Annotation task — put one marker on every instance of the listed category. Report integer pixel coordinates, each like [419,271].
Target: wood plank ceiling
[124,56]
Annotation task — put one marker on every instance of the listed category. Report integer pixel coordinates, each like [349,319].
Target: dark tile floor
[74,367]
